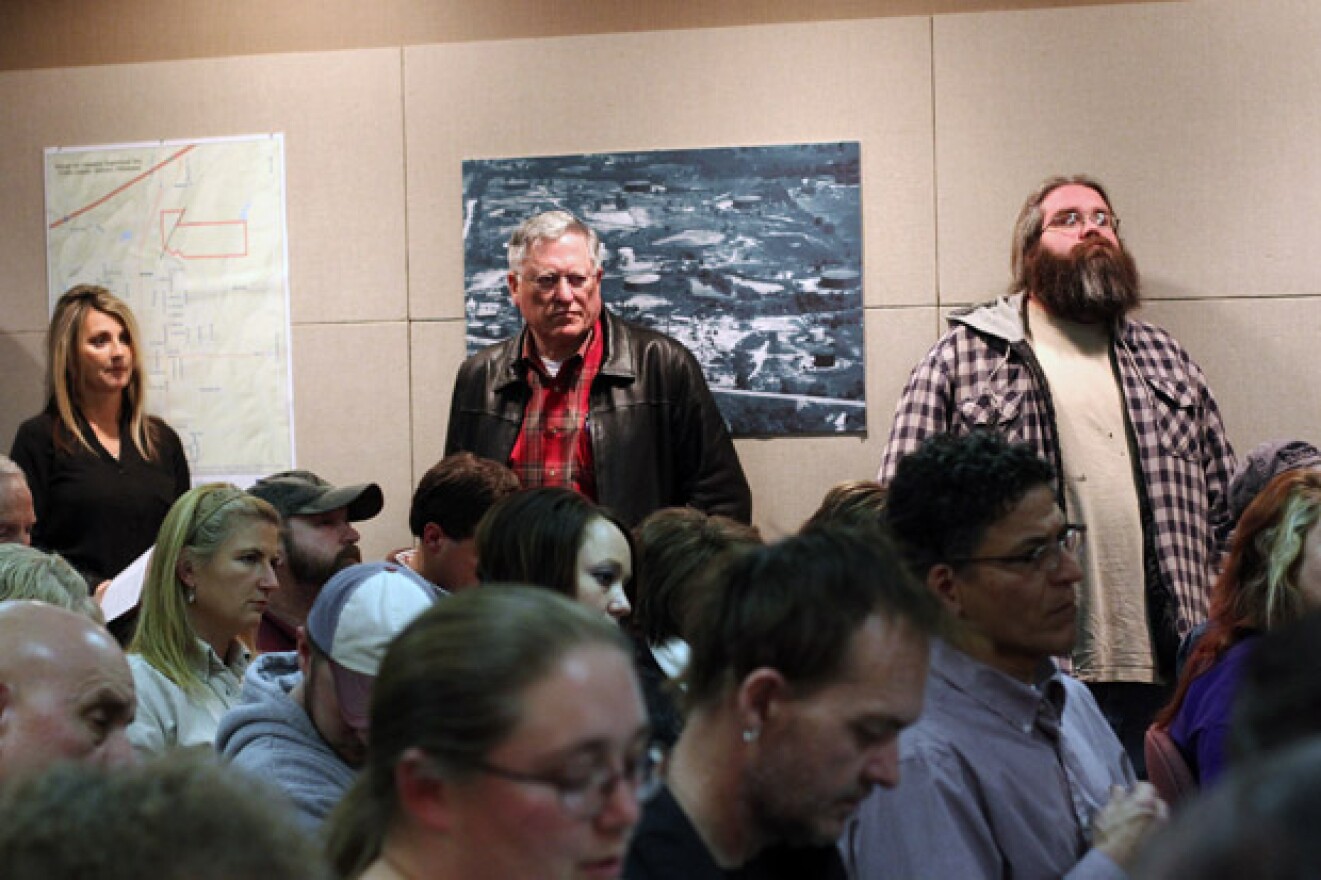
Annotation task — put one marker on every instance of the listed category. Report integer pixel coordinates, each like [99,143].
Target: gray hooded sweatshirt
[271,738]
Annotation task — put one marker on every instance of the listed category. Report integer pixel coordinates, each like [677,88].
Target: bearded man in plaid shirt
[583,399]
[1125,416]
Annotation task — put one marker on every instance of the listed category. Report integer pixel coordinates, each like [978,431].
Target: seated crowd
[534,689]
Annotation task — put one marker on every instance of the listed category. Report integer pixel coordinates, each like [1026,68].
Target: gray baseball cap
[303,493]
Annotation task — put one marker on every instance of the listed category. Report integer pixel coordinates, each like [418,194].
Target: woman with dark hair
[556,538]
[508,741]
[676,547]
[1271,578]
[209,581]
[103,473]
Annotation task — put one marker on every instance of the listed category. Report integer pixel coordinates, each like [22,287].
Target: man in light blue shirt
[1012,771]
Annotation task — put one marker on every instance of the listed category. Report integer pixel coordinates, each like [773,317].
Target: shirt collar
[207,663]
[530,357]
[1015,701]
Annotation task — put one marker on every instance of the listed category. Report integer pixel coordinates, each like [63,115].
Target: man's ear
[758,697]
[947,586]
[423,794]
[432,535]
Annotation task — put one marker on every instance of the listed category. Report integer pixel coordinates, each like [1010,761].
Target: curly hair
[950,490]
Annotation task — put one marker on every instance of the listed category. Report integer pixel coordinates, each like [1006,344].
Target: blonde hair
[199,522]
[65,377]
[1278,547]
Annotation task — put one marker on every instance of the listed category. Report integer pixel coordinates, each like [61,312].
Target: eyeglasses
[586,797]
[551,280]
[1045,558]
[1074,220]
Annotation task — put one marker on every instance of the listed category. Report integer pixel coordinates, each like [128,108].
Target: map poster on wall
[749,256]
[191,234]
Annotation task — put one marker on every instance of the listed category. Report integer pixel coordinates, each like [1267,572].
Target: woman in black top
[102,472]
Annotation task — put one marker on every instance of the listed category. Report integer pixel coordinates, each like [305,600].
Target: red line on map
[168,230]
[110,195]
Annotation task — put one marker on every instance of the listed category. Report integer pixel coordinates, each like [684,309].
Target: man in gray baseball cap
[302,722]
[316,528]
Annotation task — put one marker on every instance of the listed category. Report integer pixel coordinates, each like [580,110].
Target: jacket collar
[1003,319]
[618,359]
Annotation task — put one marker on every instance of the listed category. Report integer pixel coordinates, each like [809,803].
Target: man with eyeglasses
[1125,416]
[1012,770]
[808,658]
[583,399]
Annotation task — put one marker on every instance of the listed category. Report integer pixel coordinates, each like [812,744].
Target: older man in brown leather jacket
[583,399]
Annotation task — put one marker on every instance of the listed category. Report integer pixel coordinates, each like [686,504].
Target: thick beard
[1096,283]
[307,570]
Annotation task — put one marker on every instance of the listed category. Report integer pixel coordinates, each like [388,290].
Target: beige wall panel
[437,352]
[790,476]
[59,33]
[1203,118]
[867,81]
[23,368]
[342,120]
[1260,357]
[351,417]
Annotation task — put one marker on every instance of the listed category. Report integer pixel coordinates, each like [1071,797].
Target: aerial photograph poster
[749,256]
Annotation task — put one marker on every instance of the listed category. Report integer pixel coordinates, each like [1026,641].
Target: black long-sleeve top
[98,512]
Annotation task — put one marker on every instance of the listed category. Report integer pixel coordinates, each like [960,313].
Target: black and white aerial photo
[750,256]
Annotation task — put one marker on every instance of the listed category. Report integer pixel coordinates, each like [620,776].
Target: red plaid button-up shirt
[554,446]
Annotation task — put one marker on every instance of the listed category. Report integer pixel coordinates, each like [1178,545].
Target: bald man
[65,691]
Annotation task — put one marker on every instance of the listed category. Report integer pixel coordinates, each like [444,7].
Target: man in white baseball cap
[302,725]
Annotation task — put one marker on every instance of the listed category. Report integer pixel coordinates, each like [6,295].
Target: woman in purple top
[1271,578]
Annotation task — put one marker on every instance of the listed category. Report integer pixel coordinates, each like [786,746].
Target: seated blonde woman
[210,578]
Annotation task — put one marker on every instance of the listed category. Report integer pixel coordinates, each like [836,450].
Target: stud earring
[192,596]
[750,734]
